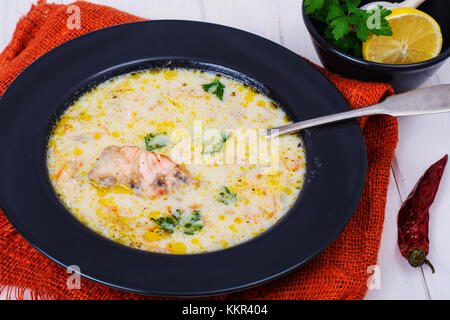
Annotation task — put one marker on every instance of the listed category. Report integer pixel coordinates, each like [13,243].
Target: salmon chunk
[147,173]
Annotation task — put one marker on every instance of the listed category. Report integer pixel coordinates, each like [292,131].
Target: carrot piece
[105,128]
[60,171]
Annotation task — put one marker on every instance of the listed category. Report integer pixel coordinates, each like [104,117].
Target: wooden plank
[257,16]
[157,9]
[443,73]
[12,10]
[422,141]
[397,279]
[295,36]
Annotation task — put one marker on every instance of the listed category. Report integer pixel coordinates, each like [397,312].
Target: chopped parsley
[226,196]
[192,226]
[217,145]
[188,225]
[167,224]
[155,141]
[216,87]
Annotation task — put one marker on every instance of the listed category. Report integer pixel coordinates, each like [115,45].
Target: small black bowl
[401,77]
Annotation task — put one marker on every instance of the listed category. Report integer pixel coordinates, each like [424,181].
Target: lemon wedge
[416,37]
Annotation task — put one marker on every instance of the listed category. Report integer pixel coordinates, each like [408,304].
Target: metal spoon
[390,5]
[429,100]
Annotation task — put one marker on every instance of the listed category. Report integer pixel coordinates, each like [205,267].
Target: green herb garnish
[177,221]
[217,146]
[226,196]
[155,141]
[345,25]
[167,224]
[190,227]
[216,87]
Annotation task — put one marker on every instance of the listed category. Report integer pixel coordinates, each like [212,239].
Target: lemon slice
[416,37]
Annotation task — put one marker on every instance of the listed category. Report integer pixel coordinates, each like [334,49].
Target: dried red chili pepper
[414,215]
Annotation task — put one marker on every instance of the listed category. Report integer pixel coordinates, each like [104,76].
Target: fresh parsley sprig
[216,87]
[226,196]
[192,225]
[155,141]
[217,144]
[188,225]
[345,25]
[167,224]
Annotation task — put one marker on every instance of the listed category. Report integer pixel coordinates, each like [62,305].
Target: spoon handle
[429,100]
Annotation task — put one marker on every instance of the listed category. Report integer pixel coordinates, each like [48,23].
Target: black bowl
[401,77]
[336,165]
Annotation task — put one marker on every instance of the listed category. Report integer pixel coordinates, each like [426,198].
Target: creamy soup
[189,195]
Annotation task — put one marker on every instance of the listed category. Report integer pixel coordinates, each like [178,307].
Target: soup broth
[218,204]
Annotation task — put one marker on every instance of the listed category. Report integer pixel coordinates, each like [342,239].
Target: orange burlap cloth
[340,272]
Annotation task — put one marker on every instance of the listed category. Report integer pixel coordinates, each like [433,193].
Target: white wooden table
[422,140]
